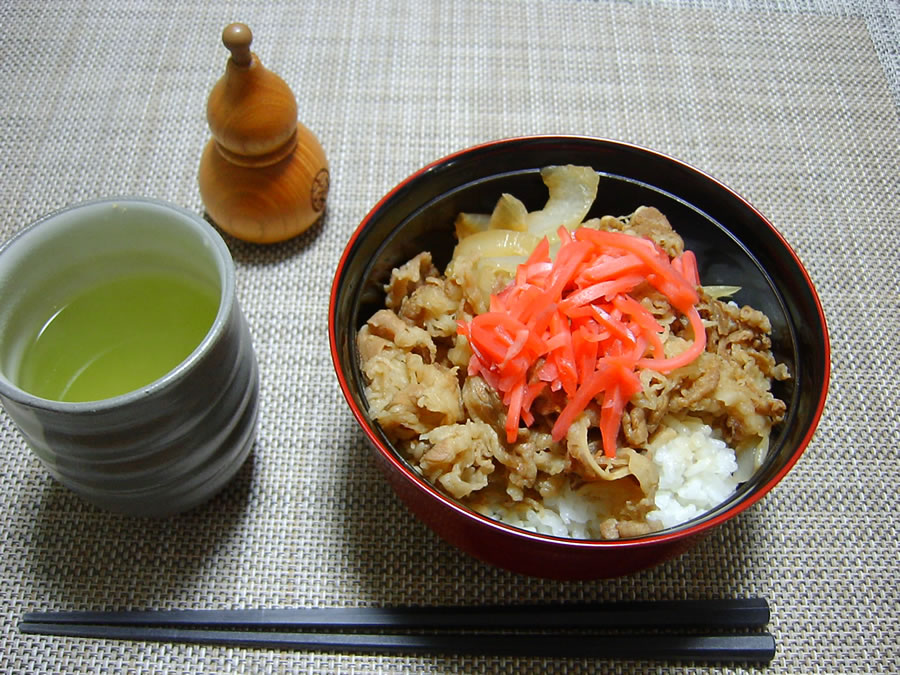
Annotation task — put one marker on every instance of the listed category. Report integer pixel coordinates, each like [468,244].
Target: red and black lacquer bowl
[734,244]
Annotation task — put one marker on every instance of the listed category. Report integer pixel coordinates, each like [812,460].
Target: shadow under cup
[161,448]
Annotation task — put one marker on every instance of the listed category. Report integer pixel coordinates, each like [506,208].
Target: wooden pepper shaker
[263,176]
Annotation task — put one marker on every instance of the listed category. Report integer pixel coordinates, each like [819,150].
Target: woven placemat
[790,106]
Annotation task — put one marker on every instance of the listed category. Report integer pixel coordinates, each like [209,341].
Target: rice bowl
[748,251]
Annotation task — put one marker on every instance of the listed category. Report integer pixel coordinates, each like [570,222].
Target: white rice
[697,472]
[566,514]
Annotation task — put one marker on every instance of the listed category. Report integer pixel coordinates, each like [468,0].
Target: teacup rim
[225,264]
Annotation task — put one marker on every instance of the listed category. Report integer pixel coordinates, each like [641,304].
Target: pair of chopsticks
[528,630]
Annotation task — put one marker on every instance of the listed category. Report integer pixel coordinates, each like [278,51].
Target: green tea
[116,337]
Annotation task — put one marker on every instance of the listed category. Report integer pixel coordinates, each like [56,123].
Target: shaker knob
[238,38]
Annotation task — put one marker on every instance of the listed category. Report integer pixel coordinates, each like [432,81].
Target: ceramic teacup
[162,446]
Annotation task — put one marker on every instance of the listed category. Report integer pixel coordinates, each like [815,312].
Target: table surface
[794,105]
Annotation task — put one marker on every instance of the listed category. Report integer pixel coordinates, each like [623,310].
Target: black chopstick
[722,614]
[756,647]
[539,629]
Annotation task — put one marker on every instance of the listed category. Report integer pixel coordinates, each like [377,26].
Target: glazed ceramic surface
[172,444]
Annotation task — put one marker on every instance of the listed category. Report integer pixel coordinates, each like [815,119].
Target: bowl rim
[686,530]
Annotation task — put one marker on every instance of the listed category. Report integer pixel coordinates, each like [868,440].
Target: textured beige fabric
[792,106]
